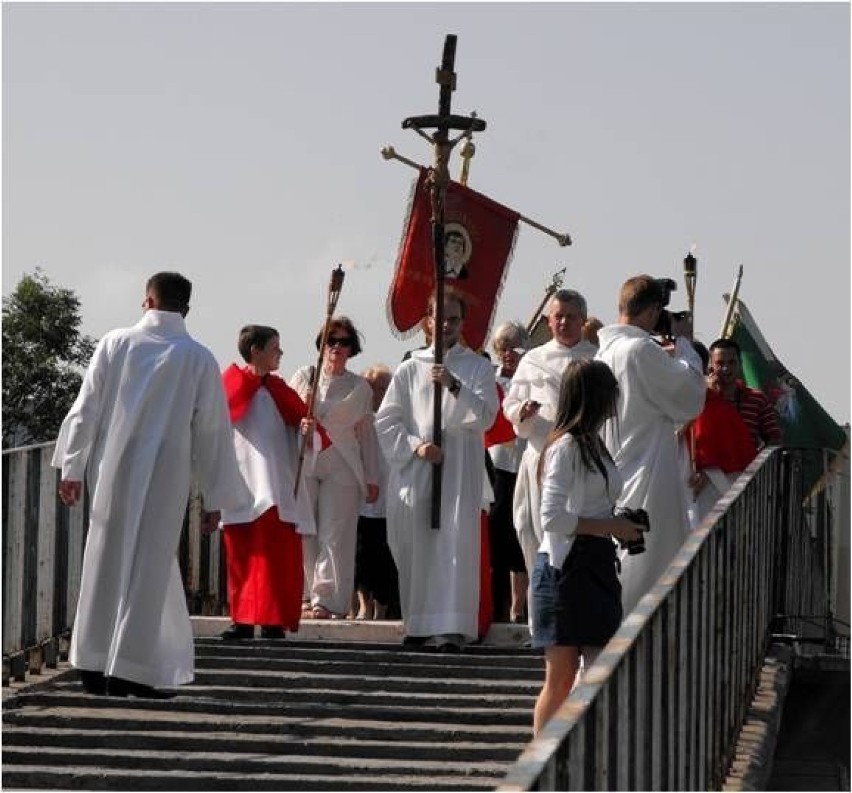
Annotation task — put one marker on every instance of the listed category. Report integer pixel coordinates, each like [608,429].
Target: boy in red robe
[263,546]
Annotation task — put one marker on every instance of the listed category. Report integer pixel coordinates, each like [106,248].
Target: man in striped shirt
[756,410]
[737,421]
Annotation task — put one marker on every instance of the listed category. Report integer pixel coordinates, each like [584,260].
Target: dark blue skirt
[578,605]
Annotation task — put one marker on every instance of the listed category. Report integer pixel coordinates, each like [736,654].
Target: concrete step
[97,778]
[238,762]
[235,692]
[314,714]
[461,753]
[271,702]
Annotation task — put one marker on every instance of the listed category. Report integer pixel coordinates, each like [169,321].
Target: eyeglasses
[339,341]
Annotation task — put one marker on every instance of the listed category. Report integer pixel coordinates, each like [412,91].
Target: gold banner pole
[726,330]
[389,153]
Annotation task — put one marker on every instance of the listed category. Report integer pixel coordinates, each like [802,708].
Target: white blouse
[570,491]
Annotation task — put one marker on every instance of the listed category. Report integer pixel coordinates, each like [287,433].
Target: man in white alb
[150,417]
[660,387]
[438,568]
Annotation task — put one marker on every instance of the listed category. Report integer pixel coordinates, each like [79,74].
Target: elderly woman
[345,474]
[508,572]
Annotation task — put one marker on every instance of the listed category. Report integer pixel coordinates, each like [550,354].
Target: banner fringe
[402,335]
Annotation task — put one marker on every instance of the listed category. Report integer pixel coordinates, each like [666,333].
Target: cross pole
[439,178]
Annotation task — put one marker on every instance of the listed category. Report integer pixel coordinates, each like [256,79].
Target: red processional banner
[479,236]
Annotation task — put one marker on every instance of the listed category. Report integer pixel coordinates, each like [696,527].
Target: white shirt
[570,491]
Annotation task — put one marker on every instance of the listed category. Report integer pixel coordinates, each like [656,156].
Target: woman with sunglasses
[345,474]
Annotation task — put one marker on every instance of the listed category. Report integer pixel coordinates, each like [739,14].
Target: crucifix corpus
[439,178]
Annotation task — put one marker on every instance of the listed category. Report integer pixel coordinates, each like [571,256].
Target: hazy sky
[240,144]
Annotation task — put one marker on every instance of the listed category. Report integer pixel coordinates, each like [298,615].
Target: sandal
[319,612]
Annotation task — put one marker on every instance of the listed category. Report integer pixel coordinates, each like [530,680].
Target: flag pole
[726,330]
[439,179]
[390,153]
[552,288]
[690,278]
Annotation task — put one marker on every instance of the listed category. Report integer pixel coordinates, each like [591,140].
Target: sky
[240,144]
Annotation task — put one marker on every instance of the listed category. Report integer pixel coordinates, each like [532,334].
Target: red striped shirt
[759,415]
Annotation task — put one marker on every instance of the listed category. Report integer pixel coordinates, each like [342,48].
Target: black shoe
[237,632]
[449,646]
[93,682]
[415,641]
[119,687]
[272,632]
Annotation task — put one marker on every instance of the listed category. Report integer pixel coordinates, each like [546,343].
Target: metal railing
[43,544]
[661,707]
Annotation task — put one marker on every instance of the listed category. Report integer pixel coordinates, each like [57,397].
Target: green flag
[802,418]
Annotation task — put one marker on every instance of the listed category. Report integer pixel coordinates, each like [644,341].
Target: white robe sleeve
[476,404]
[77,433]
[671,385]
[519,392]
[397,443]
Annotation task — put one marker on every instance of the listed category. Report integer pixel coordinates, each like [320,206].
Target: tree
[44,354]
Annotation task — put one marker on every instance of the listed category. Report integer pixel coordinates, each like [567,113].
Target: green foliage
[44,354]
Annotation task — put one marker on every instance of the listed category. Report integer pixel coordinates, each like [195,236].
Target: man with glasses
[438,569]
[660,387]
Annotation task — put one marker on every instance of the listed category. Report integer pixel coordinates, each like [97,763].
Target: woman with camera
[575,588]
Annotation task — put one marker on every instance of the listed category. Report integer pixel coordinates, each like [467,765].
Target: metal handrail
[662,705]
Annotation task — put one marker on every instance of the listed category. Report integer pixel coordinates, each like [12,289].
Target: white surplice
[537,378]
[438,568]
[657,393]
[268,454]
[150,416]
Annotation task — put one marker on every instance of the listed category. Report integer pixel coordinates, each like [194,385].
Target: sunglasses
[339,341]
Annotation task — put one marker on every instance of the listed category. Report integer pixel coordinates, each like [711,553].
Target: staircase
[299,714]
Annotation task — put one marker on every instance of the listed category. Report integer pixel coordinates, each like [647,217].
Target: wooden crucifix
[439,179]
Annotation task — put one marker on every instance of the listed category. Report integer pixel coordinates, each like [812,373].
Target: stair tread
[293,715]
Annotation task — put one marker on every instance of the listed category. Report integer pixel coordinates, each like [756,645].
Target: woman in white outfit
[345,474]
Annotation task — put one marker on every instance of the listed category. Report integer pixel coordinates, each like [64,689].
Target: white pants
[329,555]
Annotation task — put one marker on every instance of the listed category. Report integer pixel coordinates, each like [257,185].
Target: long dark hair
[588,395]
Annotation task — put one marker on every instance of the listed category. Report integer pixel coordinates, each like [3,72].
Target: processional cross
[439,179]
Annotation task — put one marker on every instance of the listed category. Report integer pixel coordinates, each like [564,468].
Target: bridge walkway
[299,714]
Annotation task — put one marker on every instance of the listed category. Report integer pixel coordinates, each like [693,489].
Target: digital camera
[635,516]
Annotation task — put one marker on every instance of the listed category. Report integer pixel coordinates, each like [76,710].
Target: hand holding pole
[335,286]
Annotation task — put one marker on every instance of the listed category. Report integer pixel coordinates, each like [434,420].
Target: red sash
[242,384]
[501,431]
